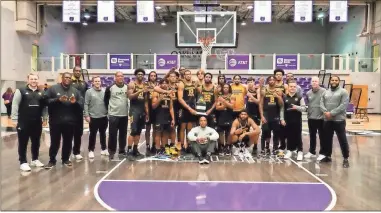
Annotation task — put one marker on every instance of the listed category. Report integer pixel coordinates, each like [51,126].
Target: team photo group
[206,116]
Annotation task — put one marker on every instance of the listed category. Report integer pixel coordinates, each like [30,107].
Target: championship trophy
[201,106]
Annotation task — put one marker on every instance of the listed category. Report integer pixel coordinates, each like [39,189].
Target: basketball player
[218,92]
[240,133]
[187,98]
[206,91]
[27,110]
[96,115]
[164,117]
[294,106]
[271,111]
[64,103]
[138,111]
[78,83]
[224,107]
[334,104]
[314,115]
[220,83]
[116,102]
[203,139]
[150,84]
[200,78]
[239,92]
[173,87]
[182,72]
[282,89]
[252,103]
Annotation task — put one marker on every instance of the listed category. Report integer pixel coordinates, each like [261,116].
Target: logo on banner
[161,62]
[287,62]
[232,62]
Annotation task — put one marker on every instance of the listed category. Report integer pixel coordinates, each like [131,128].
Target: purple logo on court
[287,62]
[166,61]
[238,62]
[132,195]
[120,62]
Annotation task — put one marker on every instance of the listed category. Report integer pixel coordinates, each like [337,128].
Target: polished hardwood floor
[62,188]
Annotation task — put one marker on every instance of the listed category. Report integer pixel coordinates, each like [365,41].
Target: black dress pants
[95,125]
[315,126]
[25,131]
[66,131]
[117,124]
[338,127]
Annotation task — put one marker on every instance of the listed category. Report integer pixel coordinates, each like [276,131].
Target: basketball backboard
[191,26]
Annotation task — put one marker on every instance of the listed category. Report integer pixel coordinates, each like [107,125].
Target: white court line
[333,193]
[96,187]
[210,181]
[96,194]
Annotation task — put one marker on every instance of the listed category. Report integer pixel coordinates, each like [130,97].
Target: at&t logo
[232,62]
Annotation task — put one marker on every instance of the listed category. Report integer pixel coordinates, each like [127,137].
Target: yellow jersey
[239,93]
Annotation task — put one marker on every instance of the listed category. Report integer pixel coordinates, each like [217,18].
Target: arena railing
[257,62]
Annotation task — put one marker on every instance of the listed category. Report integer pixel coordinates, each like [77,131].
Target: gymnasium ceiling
[125,10]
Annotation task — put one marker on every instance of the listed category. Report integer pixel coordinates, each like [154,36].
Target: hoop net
[206,46]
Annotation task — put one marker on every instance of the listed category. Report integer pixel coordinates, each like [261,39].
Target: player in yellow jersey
[282,90]
[239,91]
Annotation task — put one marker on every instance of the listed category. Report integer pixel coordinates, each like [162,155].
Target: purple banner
[122,62]
[287,62]
[238,62]
[166,62]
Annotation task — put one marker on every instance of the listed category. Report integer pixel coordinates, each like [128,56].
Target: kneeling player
[165,118]
[241,135]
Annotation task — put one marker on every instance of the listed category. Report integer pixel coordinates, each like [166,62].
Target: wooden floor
[62,188]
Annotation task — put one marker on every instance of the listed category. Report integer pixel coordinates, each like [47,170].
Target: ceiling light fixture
[158,7]
[243,23]
[250,7]
[163,23]
[84,23]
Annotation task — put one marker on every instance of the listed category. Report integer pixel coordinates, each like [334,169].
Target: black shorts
[224,128]
[163,128]
[272,126]
[187,117]
[255,118]
[245,140]
[137,120]
[236,114]
[152,117]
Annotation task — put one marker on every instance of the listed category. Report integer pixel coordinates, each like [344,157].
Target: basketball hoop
[206,46]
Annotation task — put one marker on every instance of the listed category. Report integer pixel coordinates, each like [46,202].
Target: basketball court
[225,184]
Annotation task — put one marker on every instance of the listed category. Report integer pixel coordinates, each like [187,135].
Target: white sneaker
[78,157]
[36,163]
[91,154]
[300,156]
[288,154]
[321,157]
[105,152]
[247,154]
[236,151]
[25,167]
[309,155]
